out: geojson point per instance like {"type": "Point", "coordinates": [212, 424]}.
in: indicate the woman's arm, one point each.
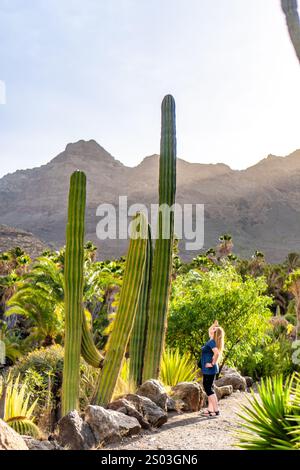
{"type": "Point", "coordinates": [214, 359]}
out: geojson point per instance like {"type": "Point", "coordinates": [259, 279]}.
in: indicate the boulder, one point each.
{"type": "Point", "coordinates": [34, 444]}
{"type": "Point", "coordinates": [74, 433]}
{"type": "Point", "coordinates": [152, 413]}
{"type": "Point", "coordinates": [109, 425]}
{"type": "Point", "coordinates": [232, 378]}
{"type": "Point", "coordinates": [189, 396]}
{"type": "Point", "coordinates": [10, 439]}
{"type": "Point", "coordinates": [124, 406]}
{"type": "Point", "coordinates": [171, 405]}
{"type": "Point", "coordinates": [249, 381]}
{"type": "Point", "coordinates": [155, 391]}
{"type": "Point", "coordinates": [224, 391]}
{"type": "Point", "coordinates": [228, 370]}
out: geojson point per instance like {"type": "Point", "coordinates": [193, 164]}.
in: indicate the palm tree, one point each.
{"type": "Point", "coordinates": [275, 277]}
{"type": "Point", "coordinates": [225, 246]}
{"type": "Point", "coordinates": [39, 297]}
{"type": "Point", "coordinates": [290, 9]}
{"type": "Point", "coordinates": [292, 262]}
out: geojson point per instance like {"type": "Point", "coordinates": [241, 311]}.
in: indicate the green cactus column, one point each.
{"type": "Point", "coordinates": [74, 258]}
{"type": "Point", "coordinates": [129, 299]}
{"type": "Point", "coordinates": [162, 263]}
{"type": "Point", "coordinates": [139, 331]}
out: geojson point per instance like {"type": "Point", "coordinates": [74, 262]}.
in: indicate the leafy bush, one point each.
{"type": "Point", "coordinates": [271, 422]}
{"type": "Point", "coordinates": [42, 370]}
{"type": "Point", "coordinates": [269, 359]}
{"type": "Point", "coordinates": [176, 367]}
{"type": "Point", "coordinates": [239, 305]}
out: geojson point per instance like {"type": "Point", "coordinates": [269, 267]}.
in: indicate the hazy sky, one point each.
{"type": "Point", "coordinates": [98, 69]}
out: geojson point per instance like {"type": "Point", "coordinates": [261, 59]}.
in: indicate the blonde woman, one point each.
{"type": "Point", "coordinates": [211, 355]}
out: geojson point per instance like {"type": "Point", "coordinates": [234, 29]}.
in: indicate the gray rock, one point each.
{"type": "Point", "coordinates": [189, 394]}
{"type": "Point", "coordinates": [109, 425]}
{"type": "Point", "coordinates": [34, 444]}
{"type": "Point", "coordinates": [171, 405]}
{"type": "Point", "coordinates": [233, 378]}
{"type": "Point", "coordinates": [74, 433]}
{"type": "Point", "coordinates": [224, 391]}
{"type": "Point", "coordinates": [124, 406]}
{"type": "Point", "coordinates": [249, 381]}
{"type": "Point", "coordinates": [10, 439]}
{"type": "Point", "coordinates": [155, 391]}
{"type": "Point", "coordinates": [152, 413]}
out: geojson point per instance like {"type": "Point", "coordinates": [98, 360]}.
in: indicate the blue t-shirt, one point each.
{"type": "Point", "coordinates": [206, 356]}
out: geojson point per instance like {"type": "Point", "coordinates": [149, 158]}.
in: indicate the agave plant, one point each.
{"type": "Point", "coordinates": [176, 368]}
{"type": "Point", "coordinates": [271, 421]}
{"type": "Point", "coordinates": [14, 406]}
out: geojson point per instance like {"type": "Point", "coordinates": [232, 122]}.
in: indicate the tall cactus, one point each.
{"type": "Point", "coordinates": [128, 304]}
{"type": "Point", "coordinates": [139, 331]}
{"type": "Point", "coordinates": [290, 9]}
{"type": "Point", "coordinates": [74, 258]}
{"type": "Point", "coordinates": [162, 264]}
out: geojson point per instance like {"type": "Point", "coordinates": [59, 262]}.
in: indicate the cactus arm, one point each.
{"type": "Point", "coordinates": [139, 331]}
{"type": "Point", "coordinates": [89, 351]}
{"type": "Point", "coordinates": [74, 258]}
{"type": "Point", "coordinates": [162, 263]}
{"type": "Point", "coordinates": [128, 304]}
{"type": "Point", "coordinates": [290, 9]}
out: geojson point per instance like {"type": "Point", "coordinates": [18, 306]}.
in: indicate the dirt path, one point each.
{"type": "Point", "coordinates": [191, 432]}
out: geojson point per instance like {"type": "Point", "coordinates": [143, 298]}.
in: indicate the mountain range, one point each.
{"type": "Point", "coordinates": [259, 206]}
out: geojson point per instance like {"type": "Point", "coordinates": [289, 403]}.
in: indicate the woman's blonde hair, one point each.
{"type": "Point", "coordinates": [219, 337]}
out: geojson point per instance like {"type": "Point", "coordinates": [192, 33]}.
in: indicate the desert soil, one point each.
{"type": "Point", "coordinates": [189, 431]}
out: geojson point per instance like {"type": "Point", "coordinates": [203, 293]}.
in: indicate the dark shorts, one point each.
{"type": "Point", "coordinates": [208, 380]}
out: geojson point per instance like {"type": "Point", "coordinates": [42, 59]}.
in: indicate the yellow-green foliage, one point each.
{"type": "Point", "coordinates": [17, 411]}
{"type": "Point", "coordinates": [125, 384]}
{"type": "Point", "coordinates": [271, 420]}
{"type": "Point", "coordinates": [176, 367]}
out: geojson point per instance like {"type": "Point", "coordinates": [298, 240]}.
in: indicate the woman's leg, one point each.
{"type": "Point", "coordinates": [214, 401]}
{"type": "Point", "coordinates": [207, 385]}
{"type": "Point", "coordinates": [211, 396]}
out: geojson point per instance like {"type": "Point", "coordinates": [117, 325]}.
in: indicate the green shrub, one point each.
{"type": "Point", "coordinates": [240, 306]}
{"type": "Point", "coordinates": [42, 371]}
{"type": "Point", "coordinates": [269, 359]}
{"type": "Point", "coordinates": [273, 356]}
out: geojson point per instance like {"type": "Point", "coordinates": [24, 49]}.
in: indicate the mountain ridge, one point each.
{"type": "Point", "coordinates": [258, 205]}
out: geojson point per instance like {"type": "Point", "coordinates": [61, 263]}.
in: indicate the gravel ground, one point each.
{"type": "Point", "coordinates": [191, 432]}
